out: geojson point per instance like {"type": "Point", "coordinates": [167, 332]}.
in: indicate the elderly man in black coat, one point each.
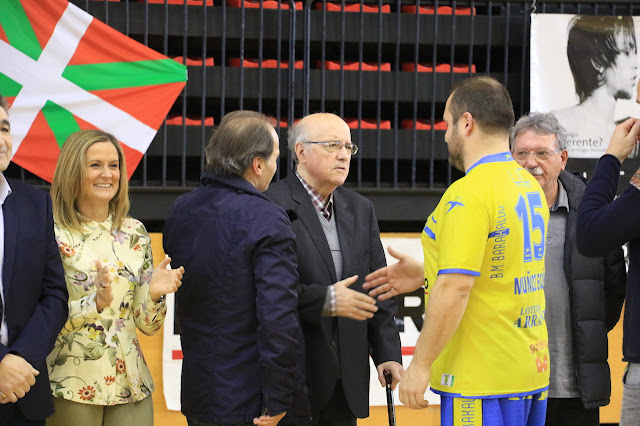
{"type": "Point", "coordinates": [338, 244]}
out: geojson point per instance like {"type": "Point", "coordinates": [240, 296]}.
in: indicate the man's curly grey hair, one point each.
{"type": "Point", "coordinates": [540, 124]}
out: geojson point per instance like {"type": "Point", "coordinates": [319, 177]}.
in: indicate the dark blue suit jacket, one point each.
{"type": "Point", "coordinates": [241, 337]}
{"type": "Point", "coordinates": [35, 291]}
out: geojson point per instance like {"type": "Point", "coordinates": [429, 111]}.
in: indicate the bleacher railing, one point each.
{"type": "Point", "coordinates": [384, 66]}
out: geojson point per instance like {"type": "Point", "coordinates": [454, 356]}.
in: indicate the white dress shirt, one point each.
{"type": "Point", "coordinates": [5, 190]}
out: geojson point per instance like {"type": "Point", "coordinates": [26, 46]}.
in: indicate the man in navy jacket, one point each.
{"type": "Point", "coordinates": [241, 337]}
{"type": "Point", "coordinates": [33, 306]}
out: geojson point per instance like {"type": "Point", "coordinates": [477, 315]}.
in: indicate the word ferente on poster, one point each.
{"type": "Point", "coordinates": [585, 70]}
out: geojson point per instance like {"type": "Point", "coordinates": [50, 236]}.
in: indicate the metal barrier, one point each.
{"type": "Point", "coordinates": [387, 67]}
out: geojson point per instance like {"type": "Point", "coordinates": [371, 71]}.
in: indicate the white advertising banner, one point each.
{"type": "Point", "coordinates": [584, 69]}
{"type": "Point", "coordinates": [411, 312]}
{"type": "Point", "coordinates": [171, 357]}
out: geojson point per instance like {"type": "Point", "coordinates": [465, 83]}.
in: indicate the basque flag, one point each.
{"type": "Point", "coordinates": [63, 71]}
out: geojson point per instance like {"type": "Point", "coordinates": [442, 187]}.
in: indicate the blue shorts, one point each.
{"type": "Point", "coordinates": [528, 410]}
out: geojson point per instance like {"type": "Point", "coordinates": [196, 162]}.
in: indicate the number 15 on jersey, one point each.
{"type": "Point", "coordinates": [528, 210]}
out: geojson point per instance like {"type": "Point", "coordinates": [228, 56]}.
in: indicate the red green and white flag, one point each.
{"type": "Point", "coordinates": [63, 70]}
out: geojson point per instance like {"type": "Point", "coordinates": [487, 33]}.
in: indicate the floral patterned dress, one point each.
{"type": "Point", "coordinates": [97, 357]}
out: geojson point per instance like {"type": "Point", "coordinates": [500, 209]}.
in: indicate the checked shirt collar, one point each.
{"type": "Point", "coordinates": [324, 207]}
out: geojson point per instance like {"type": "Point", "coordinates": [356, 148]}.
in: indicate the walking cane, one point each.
{"type": "Point", "coordinates": [390, 408]}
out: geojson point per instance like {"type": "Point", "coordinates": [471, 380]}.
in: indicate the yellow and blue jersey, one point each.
{"type": "Point", "coordinates": [492, 224]}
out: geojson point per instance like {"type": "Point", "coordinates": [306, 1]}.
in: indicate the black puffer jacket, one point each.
{"type": "Point", "coordinates": [596, 292]}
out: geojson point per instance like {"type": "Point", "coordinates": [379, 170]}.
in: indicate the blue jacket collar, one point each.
{"type": "Point", "coordinates": [237, 183]}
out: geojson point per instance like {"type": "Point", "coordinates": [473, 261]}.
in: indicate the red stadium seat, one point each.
{"type": "Point", "coordinates": [423, 124]}
{"type": "Point", "coordinates": [266, 4]}
{"type": "Point", "coordinates": [457, 68]}
{"type": "Point", "coordinates": [182, 2]}
{"type": "Point", "coordinates": [367, 123]}
{"type": "Point", "coordinates": [194, 61]}
{"type": "Point", "coordinates": [283, 122]}
{"type": "Point", "coordinates": [177, 120]}
{"type": "Point", "coordinates": [354, 66]}
{"type": "Point", "coordinates": [442, 10]}
{"type": "Point", "coordinates": [353, 7]}
{"type": "Point", "coordinates": [266, 63]}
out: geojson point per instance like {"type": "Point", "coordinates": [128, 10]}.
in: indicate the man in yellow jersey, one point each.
{"type": "Point", "coordinates": [483, 346]}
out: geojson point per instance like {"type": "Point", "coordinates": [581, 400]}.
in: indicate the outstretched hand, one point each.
{"type": "Point", "coordinates": [351, 303]}
{"type": "Point", "coordinates": [404, 276]}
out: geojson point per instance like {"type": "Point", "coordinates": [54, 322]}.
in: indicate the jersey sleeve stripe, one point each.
{"type": "Point", "coordinates": [459, 271]}
{"type": "Point", "coordinates": [429, 233]}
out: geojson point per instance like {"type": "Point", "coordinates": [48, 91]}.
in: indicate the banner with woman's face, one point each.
{"type": "Point", "coordinates": [585, 70]}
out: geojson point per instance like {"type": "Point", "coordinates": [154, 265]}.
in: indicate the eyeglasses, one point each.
{"type": "Point", "coordinates": [334, 146]}
{"type": "Point", "coordinates": [541, 155]}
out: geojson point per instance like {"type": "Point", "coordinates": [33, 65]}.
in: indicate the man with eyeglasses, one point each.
{"type": "Point", "coordinates": [583, 297]}
{"type": "Point", "coordinates": [338, 243]}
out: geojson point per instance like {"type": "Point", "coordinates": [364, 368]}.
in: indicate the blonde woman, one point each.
{"type": "Point", "coordinates": [97, 372]}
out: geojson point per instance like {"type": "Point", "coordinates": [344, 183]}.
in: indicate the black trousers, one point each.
{"type": "Point", "coordinates": [337, 411]}
{"type": "Point", "coordinates": [570, 412]}
{"type": "Point", "coordinates": [10, 415]}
